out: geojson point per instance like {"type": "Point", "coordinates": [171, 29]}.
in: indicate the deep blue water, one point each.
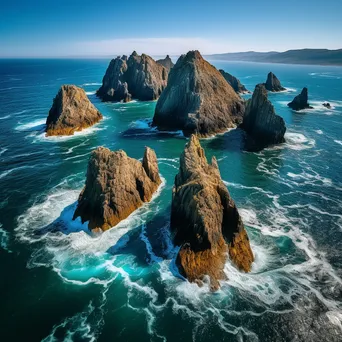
{"type": "Point", "coordinates": [60, 284]}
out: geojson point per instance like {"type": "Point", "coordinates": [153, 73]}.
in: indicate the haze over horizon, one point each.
{"type": "Point", "coordinates": [88, 29]}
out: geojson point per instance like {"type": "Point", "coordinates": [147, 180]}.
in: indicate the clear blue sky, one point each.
{"type": "Point", "coordinates": [93, 28]}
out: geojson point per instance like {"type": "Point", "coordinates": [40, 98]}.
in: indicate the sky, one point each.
{"type": "Point", "coordinates": [59, 28]}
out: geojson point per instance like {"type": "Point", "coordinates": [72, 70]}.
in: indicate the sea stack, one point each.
{"type": "Point", "coordinates": [206, 223]}
{"type": "Point", "coordinates": [260, 120]}
{"type": "Point", "coordinates": [138, 77]}
{"type": "Point", "coordinates": [116, 185]}
{"type": "Point", "coordinates": [166, 63]}
{"type": "Point", "coordinates": [197, 99]}
{"type": "Point", "coordinates": [273, 84]}
{"type": "Point", "coordinates": [71, 111]}
{"type": "Point", "coordinates": [300, 101]}
{"type": "Point", "coordinates": [234, 82]}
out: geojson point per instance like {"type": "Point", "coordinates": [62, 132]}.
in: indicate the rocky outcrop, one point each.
{"type": "Point", "coordinates": [139, 77]}
{"type": "Point", "coordinates": [260, 120]}
{"type": "Point", "coordinates": [205, 220]}
{"type": "Point", "coordinates": [327, 105]}
{"type": "Point", "coordinates": [116, 185]}
{"type": "Point", "coordinates": [234, 82]}
{"type": "Point", "coordinates": [71, 111]}
{"type": "Point", "coordinates": [197, 99]}
{"type": "Point", "coordinates": [300, 101]}
{"type": "Point", "coordinates": [273, 84]}
{"type": "Point", "coordinates": [166, 63]}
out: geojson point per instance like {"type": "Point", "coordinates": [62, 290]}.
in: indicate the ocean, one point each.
{"type": "Point", "coordinates": [58, 283]}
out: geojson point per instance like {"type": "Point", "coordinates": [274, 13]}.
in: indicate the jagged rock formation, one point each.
{"type": "Point", "coordinates": [205, 220]}
{"type": "Point", "coordinates": [166, 63]}
{"type": "Point", "coordinates": [71, 111]}
{"type": "Point", "coordinates": [260, 120]}
{"type": "Point", "coordinates": [234, 82]}
{"type": "Point", "coordinates": [197, 99]}
{"type": "Point", "coordinates": [273, 84]}
{"type": "Point", "coordinates": [139, 77]}
{"type": "Point", "coordinates": [300, 101]}
{"type": "Point", "coordinates": [327, 105]}
{"type": "Point", "coordinates": [116, 185]}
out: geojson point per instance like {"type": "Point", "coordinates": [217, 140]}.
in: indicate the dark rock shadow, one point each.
{"type": "Point", "coordinates": [149, 243]}
{"type": "Point", "coordinates": [231, 141]}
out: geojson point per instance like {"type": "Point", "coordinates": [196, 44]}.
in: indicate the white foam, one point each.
{"type": "Point", "coordinates": [92, 84]}
{"type": "Point", "coordinates": [338, 142]}
{"type": "Point", "coordinates": [4, 239]}
{"type": "Point", "coordinates": [3, 150]}
{"type": "Point", "coordinates": [319, 131]}
{"type": "Point", "coordinates": [5, 117]}
{"type": "Point", "coordinates": [90, 92]}
{"type": "Point", "coordinates": [33, 125]}
{"type": "Point", "coordinates": [7, 172]}
{"type": "Point", "coordinates": [298, 141]}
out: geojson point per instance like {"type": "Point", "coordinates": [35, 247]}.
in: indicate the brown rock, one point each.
{"type": "Point", "coordinates": [166, 62]}
{"type": "Point", "coordinates": [116, 185]}
{"type": "Point", "coordinates": [71, 111]}
{"type": "Point", "coordinates": [205, 220]}
{"type": "Point", "coordinates": [139, 77]}
{"type": "Point", "coordinates": [197, 99]}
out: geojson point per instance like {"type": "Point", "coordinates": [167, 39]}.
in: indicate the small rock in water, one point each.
{"type": "Point", "coordinates": [71, 111]}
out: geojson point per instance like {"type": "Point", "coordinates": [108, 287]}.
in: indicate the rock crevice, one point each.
{"type": "Point", "coordinates": [234, 82]}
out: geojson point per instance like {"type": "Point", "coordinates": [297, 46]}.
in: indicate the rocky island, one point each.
{"type": "Point", "coordinates": [205, 221]}
{"type": "Point", "coordinates": [260, 120]}
{"type": "Point", "coordinates": [116, 185]}
{"type": "Point", "coordinates": [234, 82]}
{"type": "Point", "coordinates": [138, 77]}
{"type": "Point", "coordinates": [300, 101]}
{"type": "Point", "coordinates": [273, 84]}
{"type": "Point", "coordinates": [166, 63]}
{"type": "Point", "coordinates": [197, 99]}
{"type": "Point", "coordinates": [71, 111]}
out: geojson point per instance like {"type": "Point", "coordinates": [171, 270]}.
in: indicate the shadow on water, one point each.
{"type": "Point", "coordinates": [150, 242]}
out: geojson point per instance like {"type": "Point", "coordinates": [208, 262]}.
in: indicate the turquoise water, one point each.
{"type": "Point", "coordinates": [60, 284]}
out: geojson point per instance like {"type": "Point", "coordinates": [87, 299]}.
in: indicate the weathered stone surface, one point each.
{"type": "Point", "coordinates": [114, 87]}
{"type": "Point", "coordinates": [205, 220]}
{"type": "Point", "coordinates": [116, 185]}
{"type": "Point", "coordinates": [260, 120]}
{"type": "Point", "coordinates": [327, 105]}
{"type": "Point", "coordinates": [300, 101]}
{"type": "Point", "coordinates": [139, 77]}
{"type": "Point", "coordinates": [166, 63]}
{"type": "Point", "coordinates": [234, 82]}
{"type": "Point", "coordinates": [71, 111]}
{"type": "Point", "coordinates": [273, 84]}
{"type": "Point", "coordinates": [197, 99]}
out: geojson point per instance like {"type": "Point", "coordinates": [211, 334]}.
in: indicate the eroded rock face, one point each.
{"type": "Point", "coordinates": [166, 63]}
{"type": "Point", "coordinates": [234, 82]}
{"type": "Point", "coordinates": [116, 185]}
{"type": "Point", "coordinates": [205, 220]}
{"type": "Point", "coordinates": [197, 99]}
{"type": "Point", "coordinates": [300, 101]}
{"type": "Point", "coordinates": [139, 77]}
{"type": "Point", "coordinates": [71, 111]}
{"type": "Point", "coordinates": [260, 120]}
{"type": "Point", "coordinates": [273, 84]}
